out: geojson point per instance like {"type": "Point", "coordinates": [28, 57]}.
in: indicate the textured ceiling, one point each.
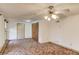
{"type": "Point", "coordinates": [33, 10]}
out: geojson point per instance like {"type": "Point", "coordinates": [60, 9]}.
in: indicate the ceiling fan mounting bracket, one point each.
{"type": "Point", "coordinates": [51, 7]}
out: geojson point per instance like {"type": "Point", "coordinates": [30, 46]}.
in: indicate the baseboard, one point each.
{"type": "Point", "coordinates": [4, 47]}
{"type": "Point", "coordinates": [65, 47]}
{"type": "Point", "coordinates": [27, 38]}
{"type": "Point", "coordinates": [43, 41]}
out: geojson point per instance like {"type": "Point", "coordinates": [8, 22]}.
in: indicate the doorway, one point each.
{"type": "Point", "coordinates": [20, 30]}
{"type": "Point", "coordinates": [35, 29]}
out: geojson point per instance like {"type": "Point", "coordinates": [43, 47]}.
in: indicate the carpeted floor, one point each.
{"type": "Point", "coordinates": [31, 47]}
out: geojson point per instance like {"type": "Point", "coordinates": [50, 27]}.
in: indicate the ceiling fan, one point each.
{"type": "Point", "coordinates": [56, 14]}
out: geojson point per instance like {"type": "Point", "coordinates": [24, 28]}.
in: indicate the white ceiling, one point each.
{"type": "Point", "coordinates": [33, 10]}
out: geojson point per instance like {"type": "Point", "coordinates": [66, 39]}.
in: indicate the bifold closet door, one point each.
{"type": "Point", "coordinates": [20, 31]}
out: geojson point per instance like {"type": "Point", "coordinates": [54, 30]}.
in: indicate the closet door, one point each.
{"type": "Point", "coordinates": [20, 31]}
{"type": "Point", "coordinates": [35, 27]}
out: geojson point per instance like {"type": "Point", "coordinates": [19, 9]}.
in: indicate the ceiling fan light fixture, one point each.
{"type": "Point", "coordinates": [55, 16]}
{"type": "Point", "coordinates": [46, 17]}
{"type": "Point", "coordinates": [49, 19]}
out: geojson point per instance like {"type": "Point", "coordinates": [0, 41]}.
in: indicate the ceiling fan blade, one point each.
{"type": "Point", "coordinates": [63, 11]}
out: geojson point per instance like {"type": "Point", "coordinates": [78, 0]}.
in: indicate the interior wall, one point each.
{"type": "Point", "coordinates": [12, 29]}
{"type": "Point", "coordinates": [12, 32]}
{"type": "Point", "coordinates": [2, 32]}
{"type": "Point", "coordinates": [66, 32]}
{"type": "Point", "coordinates": [43, 31]}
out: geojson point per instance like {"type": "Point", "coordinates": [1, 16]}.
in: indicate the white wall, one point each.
{"type": "Point", "coordinates": [28, 30]}
{"type": "Point", "coordinates": [66, 33]}
{"type": "Point", "coordinates": [2, 32]}
{"type": "Point", "coordinates": [12, 29]}
{"type": "Point", "coordinates": [43, 31]}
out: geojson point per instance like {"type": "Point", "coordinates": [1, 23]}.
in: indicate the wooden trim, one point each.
{"type": "Point", "coordinates": [4, 47]}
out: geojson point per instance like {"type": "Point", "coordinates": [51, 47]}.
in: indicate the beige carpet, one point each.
{"type": "Point", "coordinates": [31, 47]}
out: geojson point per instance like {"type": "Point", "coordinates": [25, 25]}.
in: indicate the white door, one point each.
{"type": "Point", "coordinates": [20, 31]}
